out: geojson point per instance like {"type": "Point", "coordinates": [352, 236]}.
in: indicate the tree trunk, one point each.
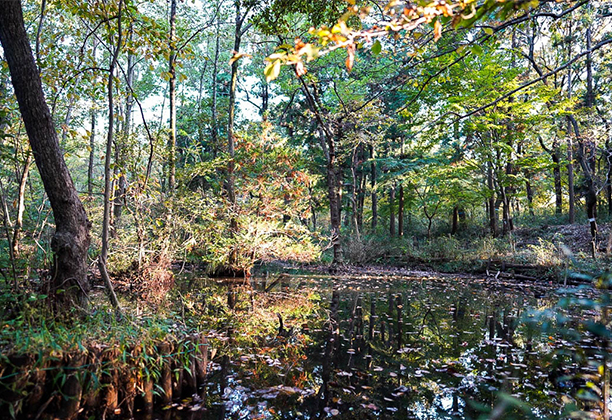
{"type": "Point", "coordinates": [102, 261]}
{"type": "Point", "coordinates": [392, 212]}
{"type": "Point", "coordinates": [491, 202]}
{"type": "Point", "coordinates": [334, 200]}
{"type": "Point", "coordinates": [557, 180]}
{"type": "Point", "coordinates": [21, 205]}
{"type": "Point", "coordinates": [373, 186]}
{"type": "Point", "coordinates": [71, 239]}
{"type": "Point", "coordinates": [172, 94]}
{"type": "Point", "coordinates": [529, 191]}
{"type": "Point", "coordinates": [455, 222]}
{"type": "Point", "coordinates": [570, 146]}
{"type": "Point", "coordinates": [120, 163]}
{"type": "Point", "coordinates": [92, 149]}
{"type": "Point", "coordinates": [400, 213]}
{"type": "Point", "coordinates": [214, 128]}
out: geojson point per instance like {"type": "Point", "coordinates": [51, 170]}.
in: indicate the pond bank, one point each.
{"type": "Point", "coordinates": [102, 380]}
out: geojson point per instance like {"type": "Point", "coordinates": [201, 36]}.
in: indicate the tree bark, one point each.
{"type": "Point", "coordinates": [172, 94]}
{"type": "Point", "coordinates": [21, 205]}
{"type": "Point", "coordinates": [102, 261]}
{"type": "Point", "coordinates": [491, 202]}
{"type": "Point", "coordinates": [120, 147]}
{"type": "Point", "coordinates": [400, 213]}
{"type": "Point", "coordinates": [92, 148]}
{"type": "Point", "coordinates": [570, 146]}
{"type": "Point", "coordinates": [455, 221]}
{"type": "Point", "coordinates": [392, 211]}
{"type": "Point", "coordinates": [373, 186]}
{"type": "Point", "coordinates": [214, 128]}
{"type": "Point", "coordinates": [71, 239]}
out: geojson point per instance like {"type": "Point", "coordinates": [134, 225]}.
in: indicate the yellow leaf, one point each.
{"type": "Point", "coordinates": [237, 56]}
{"type": "Point", "coordinates": [272, 70]}
{"type": "Point", "coordinates": [437, 30]}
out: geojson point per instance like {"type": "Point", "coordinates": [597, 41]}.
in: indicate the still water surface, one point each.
{"type": "Point", "coordinates": [416, 348]}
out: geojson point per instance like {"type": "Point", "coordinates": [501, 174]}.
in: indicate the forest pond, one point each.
{"type": "Point", "coordinates": [423, 348]}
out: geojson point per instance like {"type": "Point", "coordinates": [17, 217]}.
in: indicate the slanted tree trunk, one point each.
{"type": "Point", "coordinates": [71, 239]}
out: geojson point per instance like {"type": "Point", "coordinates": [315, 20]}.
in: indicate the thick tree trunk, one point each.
{"type": "Point", "coordinates": [333, 179]}
{"type": "Point", "coordinates": [71, 239]}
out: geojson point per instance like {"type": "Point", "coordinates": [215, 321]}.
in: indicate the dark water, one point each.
{"type": "Point", "coordinates": [424, 348]}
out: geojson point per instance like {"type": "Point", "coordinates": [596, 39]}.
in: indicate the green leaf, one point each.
{"type": "Point", "coordinates": [489, 31]}
{"type": "Point", "coordinates": [376, 48]}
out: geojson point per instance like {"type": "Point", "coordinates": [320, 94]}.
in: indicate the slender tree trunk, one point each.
{"type": "Point", "coordinates": [373, 186]}
{"type": "Point", "coordinates": [361, 201]}
{"type": "Point", "coordinates": [400, 213]}
{"type": "Point", "coordinates": [355, 193]}
{"type": "Point", "coordinates": [570, 146]}
{"type": "Point", "coordinates": [590, 95]}
{"type": "Point", "coordinates": [21, 205]}
{"type": "Point", "coordinates": [591, 194]}
{"type": "Point", "coordinates": [230, 181]}
{"type": "Point", "coordinates": [557, 180]}
{"type": "Point", "coordinates": [71, 239]}
{"type": "Point", "coordinates": [392, 211]}
{"type": "Point", "coordinates": [119, 199]}
{"type": "Point", "coordinates": [92, 151]}
{"type": "Point", "coordinates": [172, 98]}
{"type": "Point", "coordinates": [530, 194]}
{"type": "Point", "coordinates": [455, 221]}
{"type": "Point", "coordinates": [333, 174]}
{"type": "Point", "coordinates": [214, 127]}
{"type": "Point", "coordinates": [103, 260]}
{"type": "Point", "coordinates": [491, 203]}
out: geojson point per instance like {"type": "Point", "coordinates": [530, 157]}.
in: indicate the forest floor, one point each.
{"type": "Point", "coordinates": [548, 253]}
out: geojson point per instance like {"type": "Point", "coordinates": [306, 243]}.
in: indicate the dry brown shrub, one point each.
{"type": "Point", "coordinates": [150, 282]}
